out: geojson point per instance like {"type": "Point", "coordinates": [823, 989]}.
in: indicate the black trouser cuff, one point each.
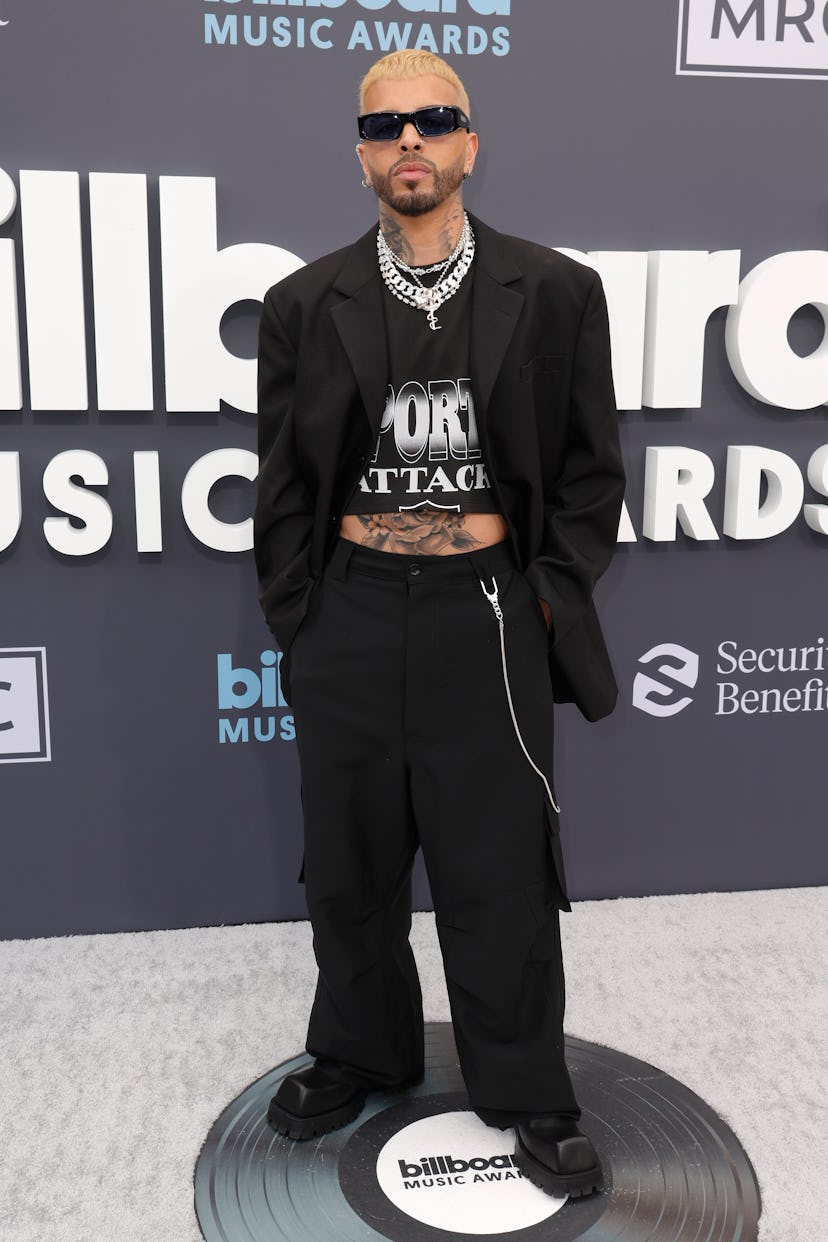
{"type": "Point", "coordinates": [503, 1118]}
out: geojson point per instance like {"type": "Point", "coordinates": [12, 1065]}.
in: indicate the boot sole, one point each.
{"type": "Point", "coordinates": [292, 1126]}
{"type": "Point", "coordinates": [576, 1185]}
{"type": "Point", "coordinates": [295, 1127]}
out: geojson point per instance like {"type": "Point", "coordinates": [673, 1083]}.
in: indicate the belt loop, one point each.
{"type": "Point", "coordinates": [486, 562]}
{"type": "Point", "coordinates": [480, 565]}
{"type": "Point", "coordinates": [338, 564]}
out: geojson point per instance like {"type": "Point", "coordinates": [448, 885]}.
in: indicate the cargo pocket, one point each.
{"type": "Point", "coordinates": [544, 906]}
{"type": "Point", "coordinates": [556, 860]}
{"type": "Point", "coordinates": [546, 953]}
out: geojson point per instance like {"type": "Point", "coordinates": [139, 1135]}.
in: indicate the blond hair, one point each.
{"type": "Point", "coordinates": [409, 63]}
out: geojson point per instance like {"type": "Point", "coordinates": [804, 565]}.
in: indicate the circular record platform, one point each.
{"type": "Point", "coordinates": [419, 1166]}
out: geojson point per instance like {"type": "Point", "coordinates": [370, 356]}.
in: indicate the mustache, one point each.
{"type": "Point", "coordinates": [414, 159]}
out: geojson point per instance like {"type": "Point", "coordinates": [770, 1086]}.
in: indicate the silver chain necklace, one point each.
{"type": "Point", "coordinates": [421, 297]}
{"type": "Point", "coordinates": [435, 267]}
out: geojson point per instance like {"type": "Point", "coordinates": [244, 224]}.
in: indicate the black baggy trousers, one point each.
{"type": "Point", "coordinates": [405, 738]}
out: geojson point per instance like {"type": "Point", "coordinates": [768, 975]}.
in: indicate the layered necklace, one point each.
{"type": "Point", "coordinates": [421, 297]}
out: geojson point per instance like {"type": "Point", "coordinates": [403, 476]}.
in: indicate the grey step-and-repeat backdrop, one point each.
{"type": "Point", "coordinates": [162, 165]}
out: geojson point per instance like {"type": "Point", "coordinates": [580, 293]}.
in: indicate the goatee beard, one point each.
{"type": "Point", "coordinates": [417, 202]}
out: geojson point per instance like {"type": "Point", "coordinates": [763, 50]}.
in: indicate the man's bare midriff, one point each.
{"type": "Point", "coordinates": [425, 533]}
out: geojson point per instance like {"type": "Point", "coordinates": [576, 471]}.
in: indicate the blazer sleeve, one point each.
{"type": "Point", "coordinates": [283, 519]}
{"type": "Point", "coordinates": [582, 511]}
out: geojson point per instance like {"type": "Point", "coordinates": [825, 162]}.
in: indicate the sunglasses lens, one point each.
{"type": "Point", "coordinates": [435, 122]}
{"type": "Point", "coordinates": [381, 127]}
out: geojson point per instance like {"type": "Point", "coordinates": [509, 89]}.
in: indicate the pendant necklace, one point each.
{"type": "Point", "coordinates": [422, 297]}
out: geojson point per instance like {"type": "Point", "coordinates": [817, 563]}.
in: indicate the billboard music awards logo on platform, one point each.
{"type": "Point", "coordinates": [757, 681]}
{"type": "Point", "coordinates": [24, 706]}
{"type": "Point", "coordinates": [454, 1173]}
{"type": "Point", "coordinates": [250, 701]}
{"type": "Point", "coordinates": [762, 38]}
{"type": "Point", "coordinates": [355, 25]}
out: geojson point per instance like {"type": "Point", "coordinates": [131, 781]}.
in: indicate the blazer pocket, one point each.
{"type": "Point", "coordinates": [542, 365]}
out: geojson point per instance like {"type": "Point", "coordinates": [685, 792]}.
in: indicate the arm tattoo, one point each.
{"type": "Point", "coordinates": [422, 533]}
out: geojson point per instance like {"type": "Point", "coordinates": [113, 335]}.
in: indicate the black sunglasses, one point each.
{"type": "Point", "coordinates": [434, 122]}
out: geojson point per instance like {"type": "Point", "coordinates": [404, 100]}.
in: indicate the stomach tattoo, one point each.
{"type": "Point", "coordinates": [425, 532]}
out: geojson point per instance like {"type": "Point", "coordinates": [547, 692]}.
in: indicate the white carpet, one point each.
{"type": "Point", "coordinates": [119, 1051]}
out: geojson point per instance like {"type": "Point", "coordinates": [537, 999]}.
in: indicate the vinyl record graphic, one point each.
{"type": "Point", "coordinates": [418, 1165]}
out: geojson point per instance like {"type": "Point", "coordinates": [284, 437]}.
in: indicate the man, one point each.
{"type": "Point", "coordinates": [440, 488]}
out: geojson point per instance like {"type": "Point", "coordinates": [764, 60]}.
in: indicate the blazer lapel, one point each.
{"type": "Point", "coordinates": [360, 323]}
{"type": "Point", "coordinates": [495, 312]}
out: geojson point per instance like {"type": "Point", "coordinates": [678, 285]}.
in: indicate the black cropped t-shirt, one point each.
{"type": "Point", "coordinates": [428, 450]}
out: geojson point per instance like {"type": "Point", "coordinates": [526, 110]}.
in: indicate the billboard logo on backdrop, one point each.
{"type": "Point", "coordinates": [678, 670]}
{"type": "Point", "coordinates": [250, 699]}
{"type": "Point", "coordinates": [350, 28]}
{"type": "Point", "coordinates": [658, 359]}
{"type": "Point", "coordinates": [24, 706]}
{"type": "Point", "coordinates": [760, 38]}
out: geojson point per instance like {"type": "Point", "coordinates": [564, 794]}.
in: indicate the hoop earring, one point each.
{"type": "Point", "coordinates": [467, 175]}
{"type": "Point", "coordinates": [366, 183]}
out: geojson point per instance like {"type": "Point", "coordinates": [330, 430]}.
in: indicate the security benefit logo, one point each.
{"type": "Point", "coordinates": [749, 680]}
{"type": "Point", "coordinates": [250, 701]}
{"type": "Point", "coordinates": [456, 1174]}
{"type": "Point", "coordinates": [450, 28]}
{"type": "Point", "coordinates": [24, 706]}
{"type": "Point", "coordinates": [763, 38]}
{"type": "Point", "coordinates": [665, 694]}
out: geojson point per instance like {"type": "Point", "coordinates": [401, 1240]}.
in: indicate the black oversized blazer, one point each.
{"type": "Point", "coordinates": [543, 393]}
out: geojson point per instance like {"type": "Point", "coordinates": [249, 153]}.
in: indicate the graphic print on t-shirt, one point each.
{"type": "Point", "coordinates": [427, 452]}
